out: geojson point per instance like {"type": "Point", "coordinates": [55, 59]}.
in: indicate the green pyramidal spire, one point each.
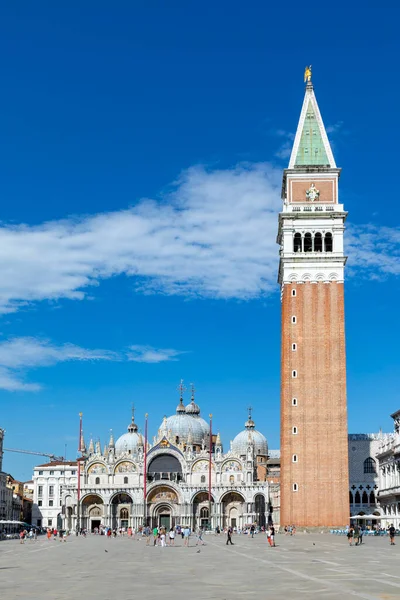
{"type": "Point", "coordinates": [311, 146]}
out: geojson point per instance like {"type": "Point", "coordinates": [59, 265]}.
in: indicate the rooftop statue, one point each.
{"type": "Point", "coordinates": [307, 73]}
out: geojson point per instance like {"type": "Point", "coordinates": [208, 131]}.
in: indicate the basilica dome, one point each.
{"type": "Point", "coordinates": [252, 436]}
{"type": "Point", "coordinates": [179, 426]}
{"type": "Point", "coordinates": [193, 410]}
{"type": "Point", "coordinates": [129, 442]}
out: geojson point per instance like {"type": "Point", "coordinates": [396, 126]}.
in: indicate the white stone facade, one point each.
{"type": "Point", "coordinates": [363, 473]}
{"type": "Point", "coordinates": [49, 483]}
{"type": "Point", "coordinates": [389, 475]}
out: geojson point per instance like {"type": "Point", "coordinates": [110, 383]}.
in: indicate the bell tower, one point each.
{"type": "Point", "coordinates": [314, 448]}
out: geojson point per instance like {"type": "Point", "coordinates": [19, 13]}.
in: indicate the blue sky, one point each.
{"type": "Point", "coordinates": [141, 152]}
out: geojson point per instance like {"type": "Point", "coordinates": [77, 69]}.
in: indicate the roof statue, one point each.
{"type": "Point", "coordinates": [307, 74]}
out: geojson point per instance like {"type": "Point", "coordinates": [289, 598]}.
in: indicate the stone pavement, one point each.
{"type": "Point", "coordinates": [303, 566]}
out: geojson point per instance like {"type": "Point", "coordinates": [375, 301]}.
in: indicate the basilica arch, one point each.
{"type": "Point", "coordinates": [121, 510]}
{"type": "Point", "coordinates": [92, 511]}
{"type": "Point", "coordinates": [165, 467]}
{"type": "Point", "coordinates": [233, 509]}
{"type": "Point", "coordinates": [163, 506]}
{"type": "Point", "coordinates": [201, 509]}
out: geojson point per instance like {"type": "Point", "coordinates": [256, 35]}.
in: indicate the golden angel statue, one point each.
{"type": "Point", "coordinates": [307, 74]}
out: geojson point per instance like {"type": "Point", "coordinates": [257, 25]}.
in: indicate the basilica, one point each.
{"type": "Point", "coordinates": [188, 478]}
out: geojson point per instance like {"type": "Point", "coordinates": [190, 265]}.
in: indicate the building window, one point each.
{"type": "Point", "coordinates": [50, 522]}
{"type": "Point", "coordinates": [125, 480]}
{"type": "Point", "coordinates": [294, 374]}
{"type": "Point", "coordinates": [40, 490]}
{"type": "Point", "coordinates": [328, 242]}
{"type": "Point", "coordinates": [372, 498]}
{"type": "Point", "coordinates": [295, 487]}
{"type": "Point", "coordinates": [40, 503]}
{"type": "Point", "coordinates": [60, 502]}
{"type": "Point", "coordinates": [51, 472]}
{"type": "Point", "coordinates": [293, 292]}
{"type": "Point", "coordinates": [294, 430]}
{"type": "Point", "coordinates": [318, 242]}
{"type": "Point", "coordinates": [73, 472]}
{"type": "Point", "coordinates": [365, 498]}
{"type": "Point", "coordinates": [297, 242]}
{"type": "Point", "coordinates": [357, 498]}
{"type": "Point", "coordinates": [294, 347]}
{"type": "Point", "coordinates": [50, 502]}
{"type": "Point", "coordinates": [294, 401]}
{"type": "Point", "coordinates": [97, 480]}
{"type": "Point", "coordinates": [294, 320]}
{"type": "Point", "coordinates": [369, 465]}
{"type": "Point", "coordinates": [294, 458]}
{"type": "Point", "coordinates": [308, 243]}
{"type": "Point", "coordinates": [203, 479]}
{"type": "Point", "coordinates": [40, 472]}
{"type": "Point", "coordinates": [51, 490]}
{"type": "Point", "coordinates": [351, 497]}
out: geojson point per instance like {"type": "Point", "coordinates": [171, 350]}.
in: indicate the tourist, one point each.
{"type": "Point", "coordinates": [186, 535]}
{"type": "Point", "coordinates": [155, 535]}
{"type": "Point", "coordinates": [350, 535]}
{"type": "Point", "coordinates": [361, 533]}
{"type": "Point", "coordinates": [31, 534]}
{"type": "Point", "coordinates": [22, 536]}
{"type": "Point", "coordinates": [171, 536]}
{"type": "Point", "coordinates": [48, 533]}
{"type": "Point", "coordinates": [272, 536]}
{"type": "Point", "coordinates": [162, 538]}
{"type": "Point", "coordinates": [356, 534]}
{"type": "Point", "coordinates": [252, 530]}
{"type": "Point", "coordinates": [146, 533]}
{"type": "Point", "coordinates": [392, 533]}
{"type": "Point", "coordinates": [199, 541]}
{"type": "Point", "coordinates": [229, 536]}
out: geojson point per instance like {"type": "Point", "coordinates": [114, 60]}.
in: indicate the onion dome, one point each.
{"type": "Point", "coordinates": [250, 435]}
{"type": "Point", "coordinates": [192, 408]}
{"type": "Point", "coordinates": [128, 442]}
{"type": "Point", "coordinates": [181, 425]}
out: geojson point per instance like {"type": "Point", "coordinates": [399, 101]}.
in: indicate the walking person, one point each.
{"type": "Point", "coordinates": [272, 536]}
{"type": "Point", "coordinates": [350, 535]}
{"type": "Point", "coordinates": [229, 536]}
{"type": "Point", "coordinates": [186, 535]}
{"type": "Point", "coordinates": [356, 534]}
{"type": "Point", "coordinates": [361, 534]}
{"type": "Point", "coordinates": [252, 530]}
{"type": "Point", "coordinates": [392, 533]}
{"type": "Point", "coordinates": [199, 541]}
{"type": "Point", "coordinates": [171, 536]}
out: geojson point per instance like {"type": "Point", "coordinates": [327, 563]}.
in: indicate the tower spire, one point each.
{"type": "Point", "coordinates": [311, 146]}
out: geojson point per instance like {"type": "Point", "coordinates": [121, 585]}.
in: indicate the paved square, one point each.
{"type": "Point", "coordinates": [304, 566]}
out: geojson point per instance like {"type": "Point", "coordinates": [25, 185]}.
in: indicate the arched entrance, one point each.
{"type": "Point", "coordinates": [201, 510]}
{"type": "Point", "coordinates": [92, 512]}
{"type": "Point", "coordinates": [163, 507]}
{"type": "Point", "coordinates": [233, 505]}
{"type": "Point", "coordinates": [121, 509]}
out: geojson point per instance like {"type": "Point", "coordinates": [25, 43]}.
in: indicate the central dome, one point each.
{"type": "Point", "coordinates": [180, 426]}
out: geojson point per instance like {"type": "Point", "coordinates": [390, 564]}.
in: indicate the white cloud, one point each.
{"type": "Point", "coordinates": [147, 354]}
{"type": "Point", "coordinates": [285, 149]}
{"type": "Point", "coordinates": [212, 235]}
{"type": "Point", "coordinates": [374, 251]}
{"type": "Point", "coordinates": [18, 355]}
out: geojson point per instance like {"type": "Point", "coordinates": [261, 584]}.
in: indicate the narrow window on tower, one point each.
{"type": "Point", "coordinates": [294, 401]}
{"type": "Point", "coordinates": [297, 242]}
{"type": "Point", "coordinates": [294, 430]}
{"type": "Point", "coordinates": [294, 320]}
{"type": "Point", "coordinates": [295, 487]}
{"type": "Point", "coordinates": [328, 242]}
{"type": "Point", "coordinates": [294, 374]}
{"type": "Point", "coordinates": [294, 458]}
{"type": "Point", "coordinates": [308, 243]}
{"type": "Point", "coordinates": [293, 292]}
{"type": "Point", "coordinates": [318, 242]}
{"type": "Point", "coordinates": [294, 347]}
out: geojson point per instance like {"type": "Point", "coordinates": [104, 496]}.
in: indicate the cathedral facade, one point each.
{"type": "Point", "coordinates": [181, 478]}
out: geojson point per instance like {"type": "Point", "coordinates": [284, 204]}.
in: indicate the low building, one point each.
{"type": "Point", "coordinates": [363, 473]}
{"type": "Point", "coordinates": [389, 475]}
{"type": "Point", "coordinates": [49, 483]}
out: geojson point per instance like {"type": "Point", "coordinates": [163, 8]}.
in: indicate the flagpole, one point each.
{"type": "Point", "coordinates": [145, 472]}
{"type": "Point", "coordinates": [78, 508]}
{"type": "Point", "coordinates": [209, 473]}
